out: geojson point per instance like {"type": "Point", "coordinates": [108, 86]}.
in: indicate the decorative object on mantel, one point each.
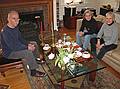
{"type": "Point", "coordinates": [53, 35]}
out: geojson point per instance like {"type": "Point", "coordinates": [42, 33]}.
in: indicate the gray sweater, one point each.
{"type": "Point", "coordinates": [109, 33]}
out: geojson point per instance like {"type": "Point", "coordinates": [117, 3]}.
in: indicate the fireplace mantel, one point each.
{"type": "Point", "coordinates": [26, 6]}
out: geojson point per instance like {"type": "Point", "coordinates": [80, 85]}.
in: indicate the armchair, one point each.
{"type": "Point", "coordinates": [7, 64]}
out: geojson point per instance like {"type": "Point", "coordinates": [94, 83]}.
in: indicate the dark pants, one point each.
{"type": "Point", "coordinates": [103, 50]}
{"type": "Point", "coordinates": [28, 56]}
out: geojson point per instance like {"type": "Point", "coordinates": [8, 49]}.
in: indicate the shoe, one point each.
{"type": "Point", "coordinates": [36, 73]}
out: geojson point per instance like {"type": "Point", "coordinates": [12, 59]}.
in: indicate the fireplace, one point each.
{"type": "Point", "coordinates": [28, 11]}
{"type": "Point", "coordinates": [30, 25]}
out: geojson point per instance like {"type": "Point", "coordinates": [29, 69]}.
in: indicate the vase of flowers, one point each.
{"type": "Point", "coordinates": [63, 58]}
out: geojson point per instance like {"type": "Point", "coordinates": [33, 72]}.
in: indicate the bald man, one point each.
{"type": "Point", "coordinates": [14, 46]}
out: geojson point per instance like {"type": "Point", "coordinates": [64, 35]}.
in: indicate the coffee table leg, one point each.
{"type": "Point", "coordinates": [92, 76]}
{"type": "Point", "coordinates": [62, 85]}
{"type": "Point", "coordinates": [62, 77]}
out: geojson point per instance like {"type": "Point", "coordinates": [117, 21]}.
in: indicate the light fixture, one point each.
{"type": "Point", "coordinates": [69, 2]}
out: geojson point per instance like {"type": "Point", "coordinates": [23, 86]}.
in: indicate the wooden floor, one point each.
{"type": "Point", "coordinates": [17, 80]}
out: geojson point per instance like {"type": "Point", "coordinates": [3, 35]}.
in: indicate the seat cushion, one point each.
{"type": "Point", "coordinates": [7, 61]}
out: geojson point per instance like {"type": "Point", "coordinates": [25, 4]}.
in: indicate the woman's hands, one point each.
{"type": "Point", "coordinates": [98, 45]}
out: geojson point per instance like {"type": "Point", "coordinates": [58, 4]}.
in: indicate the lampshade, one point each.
{"type": "Point", "coordinates": [72, 1]}
{"type": "Point", "coordinates": [68, 1]}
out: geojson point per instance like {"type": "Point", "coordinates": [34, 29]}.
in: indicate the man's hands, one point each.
{"type": "Point", "coordinates": [31, 47]}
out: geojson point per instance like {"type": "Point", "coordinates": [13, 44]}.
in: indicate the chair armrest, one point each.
{"type": "Point", "coordinates": [78, 25]}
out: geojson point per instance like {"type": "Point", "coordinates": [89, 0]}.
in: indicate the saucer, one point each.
{"type": "Point", "coordinates": [46, 48]}
{"type": "Point", "coordinates": [77, 54]}
{"type": "Point", "coordinates": [51, 56]}
{"type": "Point", "coordinates": [86, 54]}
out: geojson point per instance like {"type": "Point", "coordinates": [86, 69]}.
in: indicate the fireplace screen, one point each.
{"type": "Point", "coordinates": [30, 26]}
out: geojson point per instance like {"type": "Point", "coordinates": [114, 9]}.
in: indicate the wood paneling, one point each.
{"type": "Point", "coordinates": [18, 1]}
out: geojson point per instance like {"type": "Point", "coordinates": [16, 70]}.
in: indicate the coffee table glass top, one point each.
{"type": "Point", "coordinates": [73, 68]}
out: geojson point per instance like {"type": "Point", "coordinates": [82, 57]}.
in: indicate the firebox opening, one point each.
{"type": "Point", "coordinates": [30, 26]}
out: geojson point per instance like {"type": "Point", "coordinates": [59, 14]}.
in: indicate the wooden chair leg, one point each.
{"type": "Point", "coordinates": [3, 74]}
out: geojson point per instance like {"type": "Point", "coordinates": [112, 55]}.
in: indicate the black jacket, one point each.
{"type": "Point", "coordinates": [89, 26]}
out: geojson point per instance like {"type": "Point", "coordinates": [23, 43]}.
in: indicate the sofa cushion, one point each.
{"type": "Point", "coordinates": [118, 31]}
{"type": "Point", "coordinates": [100, 18]}
{"type": "Point", "coordinates": [79, 23]}
{"type": "Point", "coordinates": [113, 58]}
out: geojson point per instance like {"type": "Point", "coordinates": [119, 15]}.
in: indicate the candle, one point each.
{"type": "Point", "coordinates": [41, 27]}
{"type": "Point", "coordinates": [52, 35]}
{"type": "Point", "coordinates": [52, 28]}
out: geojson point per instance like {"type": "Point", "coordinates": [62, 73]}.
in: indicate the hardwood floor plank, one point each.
{"type": "Point", "coordinates": [15, 79]}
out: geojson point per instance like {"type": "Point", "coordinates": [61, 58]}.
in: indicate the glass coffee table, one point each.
{"type": "Point", "coordinates": [87, 67]}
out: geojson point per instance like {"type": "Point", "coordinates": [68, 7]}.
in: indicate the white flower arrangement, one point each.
{"type": "Point", "coordinates": [63, 58]}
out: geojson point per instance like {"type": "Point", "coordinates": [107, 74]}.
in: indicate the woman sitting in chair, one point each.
{"type": "Point", "coordinates": [107, 37]}
{"type": "Point", "coordinates": [87, 30]}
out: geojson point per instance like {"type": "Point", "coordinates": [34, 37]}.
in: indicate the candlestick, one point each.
{"type": "Point", "coordinates": [41, 31]}
{"type": "Point", "coordinates": [53, 39]}
{"type": "Point", "coordinates": [40, 26]}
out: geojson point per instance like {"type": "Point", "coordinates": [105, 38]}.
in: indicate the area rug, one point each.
{"type": "Point", "coordinates": [104, 80]}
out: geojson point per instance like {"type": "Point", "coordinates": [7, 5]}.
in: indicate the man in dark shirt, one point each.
{"type": "Point", "coordinates": [14, 46]}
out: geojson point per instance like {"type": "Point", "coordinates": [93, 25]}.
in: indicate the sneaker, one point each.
{"type": "Point", "coordinates": [38, 73]}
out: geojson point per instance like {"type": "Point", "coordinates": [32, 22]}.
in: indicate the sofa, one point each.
{"type": "Point", "coordinates": [112, 58]}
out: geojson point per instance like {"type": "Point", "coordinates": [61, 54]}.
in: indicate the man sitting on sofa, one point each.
{"type": "Point", "coordinates": [107, 37]}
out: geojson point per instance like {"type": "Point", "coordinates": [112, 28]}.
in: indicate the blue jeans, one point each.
{"type": "Point", "coordinates": [84, 40]}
